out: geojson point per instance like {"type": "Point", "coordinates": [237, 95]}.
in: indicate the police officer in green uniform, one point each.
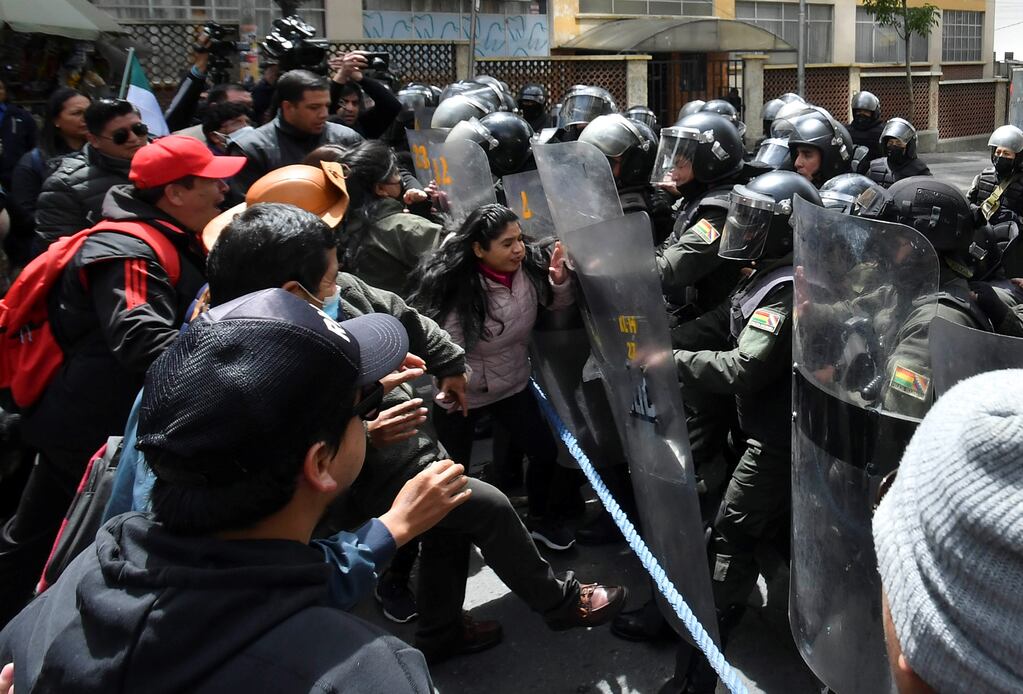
{"type": "Point", "coordinates": [997, 191]}
{"type": "Point", "coordinates": [756, 370]}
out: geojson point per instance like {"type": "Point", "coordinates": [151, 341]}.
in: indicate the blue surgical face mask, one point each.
{"type": "Point", "coordinates": [332, 305]}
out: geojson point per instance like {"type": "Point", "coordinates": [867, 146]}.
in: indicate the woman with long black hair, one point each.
{"type": "Point", "coordinates": [485, 286]}
{"type": "Point", "coordinates": [63, 132]}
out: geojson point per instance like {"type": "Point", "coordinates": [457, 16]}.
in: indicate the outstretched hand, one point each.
{"type": "Point", "coordinates": [558, 271]}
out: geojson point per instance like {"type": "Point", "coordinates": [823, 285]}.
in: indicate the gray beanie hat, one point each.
{"type": "Point", "coordinates": [949, 539]}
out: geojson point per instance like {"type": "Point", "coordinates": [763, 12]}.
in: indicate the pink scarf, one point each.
{"type": "Point", "coordinates": [504, 278]}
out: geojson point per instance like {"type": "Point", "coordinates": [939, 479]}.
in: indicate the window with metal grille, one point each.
{"type": "Point", "coordinates": [261, 12]}
{"type": "Point", "coordinates": [782, 20]}
{"type": "Point", "coordinates": [683, 8]}
{"type": "Point", "coordinates": [877, 44]}
{"type": "Point", "coordinates": [962, 35]}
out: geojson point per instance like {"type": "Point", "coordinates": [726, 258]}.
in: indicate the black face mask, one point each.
{"type": "Point", "coordinates": [896, 156]}
{"type": "Point", "coordinates": [532, 112]}
{"type": "Point", "coordinates": [1003, 165]}
{"type": "Point", "coordinates": [863, 122]}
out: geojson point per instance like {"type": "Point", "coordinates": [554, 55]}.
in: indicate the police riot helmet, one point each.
{"type": "Point", "coordinates": [459, 87]}
{"type": "Point", "coordinates": [503, 136]}
{"type": "Point", "coordinates": [792, 97]}
{"type": "Point", "coordinates": [773, 154]}
{"type": "Point", "coordinates": [430, 94]}
{"type": "Point", "coordinates": [770, 112]}
{"type": "Point", "coordinates": [642, 114]}
{"type": "Point", "coordinates": [936, 209]}
{"type": "Point", "coordinates": [726, 109]}
{"type": "Point", "coordinates": [841, 192]}
{"type": "Point", "coordinates": [1010, 137]}
{"type": "Point", "coordinates": [619, 138]}
{"type": "Point", "coordinates": [865, 101]}
{"type": "Point", "coordinates": [708, 141]}
{"type": "Point", "coordinates": [818, 129]}
{"type": "Point", "coordinates": [411, 99]}
{"type": "Point", "coordinates": [585, 103]}
{"type": "Point", "coordinates": [757, 225]}
{"type": "Point", "coordinates": [533, 92]}
{"type": "Point", "coordinates": [457, 108]}
{"type": "Point", "coordinates": [501, 89]}
{"type": "Point", "coordinates": [689, 108]}
{"type": "Point", "coordinates": [782, 124]}
{"type": "Point", "coordinates": [903, 130]}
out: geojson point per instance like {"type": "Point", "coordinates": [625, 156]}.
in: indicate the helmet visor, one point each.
{"type": "Point", "coordinates": [833, 200]}
{"type": "Point", "coordinates": [748, 224]}
{"type": "Point", "coordinates": [579, 109]}
{"type": "Point", "coordinates": [474, 131]}
{"type": "Point", "coordinates": [675, 153]}
{"type": "Point", "coordinates": [773, 154]}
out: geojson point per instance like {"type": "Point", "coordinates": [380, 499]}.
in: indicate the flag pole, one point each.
{"type": "Point", "coordinates": [127, 73]}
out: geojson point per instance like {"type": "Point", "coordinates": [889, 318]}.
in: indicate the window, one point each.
{"type": "Point", "coordinates": [683, 8]}
{"type": "Point", "coordinates": [962, 35]}
{"type": "Point", "coordinates": [261, 12]}
{"type": "Point", "coordinates": [782, 20]}
{"type": "Point", "coordinates": [875, 44]}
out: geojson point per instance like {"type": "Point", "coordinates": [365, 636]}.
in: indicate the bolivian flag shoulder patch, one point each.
{"type": "Point", "coordinates": [706, 231]}
{"type": "Point", "coordinates": [767, 320]}
{"type": "Point", "coordinates": [910, 382]}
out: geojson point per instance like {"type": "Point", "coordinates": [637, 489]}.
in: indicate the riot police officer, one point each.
{"type": "Point", "coordinates": [997, 191]}
{"type": "Point", "coordinates": [642, 114]}
{"type": "Point", "coordinates": [898, 142]}
{"type": "Point", "coordinates": [841, 192]}
{"type": "Point", "coordinates": [865, 128]}
{"type": "Point", "coordinates": [532, 103]}
{"type": "Point", "coordinates": [819, 146]}
{"type": "Point", "coordinates": [728, 110]}
{"type": "Point", "coordinates": [581, 105]}
{"type": "Point", "coordinates": [504, 136]}
{"type": "Point", "coordinates": [689, 108]}
{"type": "Point", "coordinates": [630, 148]}
{"type": "Point", "coordinates": [756, 370]}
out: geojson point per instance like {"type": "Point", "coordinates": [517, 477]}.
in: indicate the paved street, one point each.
{"type": "Point", "coordinates": [534, 659]}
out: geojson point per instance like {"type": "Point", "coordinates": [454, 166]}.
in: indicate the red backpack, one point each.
{"type": "Point", "coordinates": [29, 353]}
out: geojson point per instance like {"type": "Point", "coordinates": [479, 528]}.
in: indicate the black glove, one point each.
{"type": "Point", "coordinates": [990, 303]}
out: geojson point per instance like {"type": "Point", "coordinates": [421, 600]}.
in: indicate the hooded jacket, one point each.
{"type": "Point", "coordinates": [113, 311]}
{"type": "Point", "coordinates": [144, 610]}
{"type": "Point", "coordinates": [72, 196]}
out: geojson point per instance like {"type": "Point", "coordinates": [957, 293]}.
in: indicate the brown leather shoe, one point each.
{"type": "Point", "coordinates": [597, 604]}
{"type": "Point", "coordinates": [475, 636]}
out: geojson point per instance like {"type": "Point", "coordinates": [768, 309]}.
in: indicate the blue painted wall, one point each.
{"type": "Point", "coordinates": [496, 35]}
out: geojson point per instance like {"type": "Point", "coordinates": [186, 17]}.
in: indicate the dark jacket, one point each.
{"type": "Point", "coordinates": [26, 184]}
{"type": "Point", "coordinates": [113, 312]}
{"type": "Point", "coordinates": [72, 196]}
{"type": "Point", "coordinates": [278, 144]}
{"type": "Point", "coordinates": [373, 122]}
{"type": "Point", "coordinates": [182, 110]}
{"type": "Point", "coordinates": [882, 172]}
{"type": "Point", "coordinates": [17, 136]}
{"type": "Point", "coordinates": [869, 138]}
{"type": "Point", "coordinates": [144, 610]}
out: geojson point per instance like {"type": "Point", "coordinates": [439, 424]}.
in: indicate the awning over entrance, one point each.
{"type": "Point", "coordinates": [74, 19]}
{"type": "Point", "coordinates": [688, 35]}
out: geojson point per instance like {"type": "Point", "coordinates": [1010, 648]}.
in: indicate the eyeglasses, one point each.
{"type": "Point", "coordinates": [368, 406]}
{"type": "Point", "coordinates": [120, 136]}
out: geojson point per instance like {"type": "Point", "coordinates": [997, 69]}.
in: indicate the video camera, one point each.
{"type": "Point", "coordinates": [223, 46]}
{"type": "Point", "coordinates": [292, 45]}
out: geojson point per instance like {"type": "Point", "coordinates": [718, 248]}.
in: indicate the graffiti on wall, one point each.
{"type": "Point", "coordinates": [497, 35]}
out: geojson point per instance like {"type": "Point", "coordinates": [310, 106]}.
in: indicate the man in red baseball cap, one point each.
{"type": "Point", "coordinates": [118, 303]}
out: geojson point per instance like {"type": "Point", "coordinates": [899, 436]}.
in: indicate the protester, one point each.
{"type": "Point", "coordinates": [242, 479]}
{"type": "Point", "coordinates": [382, 243]}
{"type": "Point", "coordinates": [948, 541]}
{"type": "Point", "coordinates": [120, 307]}
{"type": "Point", "coordinates": [17, 135]}
{"type": "Point", "coordinates": [64, 132]}
{"type": "Point", "coordinates": [300, 127]}
{"type": "Point", "coordinates": [263, 92]}
{"type": "Point", "coordinates": [349, 90]}
{"type": "Point", "coordinates": [72, 196]}
{"type": "Point", "coordinates": [222, 120]}
{"type": "Point", "coordinates": [485, 286]}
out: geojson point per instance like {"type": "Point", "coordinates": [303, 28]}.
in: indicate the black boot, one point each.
{"type": "Point", "coordinates": [644, 624]}
{"type": "Point", "coordinates": [693, 672]}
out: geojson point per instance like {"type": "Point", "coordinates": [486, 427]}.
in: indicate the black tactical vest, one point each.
{"type": "Point", "coordinates": [1011, 200]}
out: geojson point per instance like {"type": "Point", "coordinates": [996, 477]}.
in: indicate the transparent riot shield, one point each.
{"type": "Point", "coordinates": [462, 174]}
{"type": "Point", "coordinates": [578, 184]}
{"type": "Point", "coordinates": [628, 326]}
{"type": "Point", "coordinates": [420, 143]}
{"type": "Point", "coordinates": [959, 352]}
{"type": "Point", "coordinates": [526, 198]}
{"type": "Point", "coordinates": [859, 282]}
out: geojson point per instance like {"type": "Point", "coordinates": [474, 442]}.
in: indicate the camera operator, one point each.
{"type": "Point", "coordinates": [348, 90]}
{"type": "Point", "coordinates": [181, 112]}
{"type": "Point", "coordinates": [300, 127]}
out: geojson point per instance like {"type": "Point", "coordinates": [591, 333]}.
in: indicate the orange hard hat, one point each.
{"type": "Point", "coordinates": [320, 190]}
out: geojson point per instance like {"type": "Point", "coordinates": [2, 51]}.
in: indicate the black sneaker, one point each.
{"type": "Point", "coordinates": [551, 534]}
{"type": "Point", "coordinates": [396, 601]}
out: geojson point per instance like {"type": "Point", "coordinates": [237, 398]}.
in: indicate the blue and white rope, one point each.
{"type": "Point", "coordinates": [729, 676]}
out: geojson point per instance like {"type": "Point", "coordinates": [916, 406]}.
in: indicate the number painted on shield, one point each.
{"type": "Point", "coordinates": [440, 171]}
{"type": "Point", "coordinates": [628, 325]}
{"type": "Point", "coordinates": [422, 160]}
{"type": "Point", "coordinates": [630, 347]}
{"type": "Point", "coordinates": [526, 212]}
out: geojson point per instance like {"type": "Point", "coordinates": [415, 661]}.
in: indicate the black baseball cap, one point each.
{"type": "Point", "coordinates": [254, 367]}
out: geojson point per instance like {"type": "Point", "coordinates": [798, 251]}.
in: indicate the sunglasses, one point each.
{"type": "Point", "coordinates": [120, 136]}
{"type": "Point", "coordinates": [368, 406]}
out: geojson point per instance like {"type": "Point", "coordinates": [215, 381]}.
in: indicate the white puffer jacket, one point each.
{"type": "Point", "coordinates": [500, 365]}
